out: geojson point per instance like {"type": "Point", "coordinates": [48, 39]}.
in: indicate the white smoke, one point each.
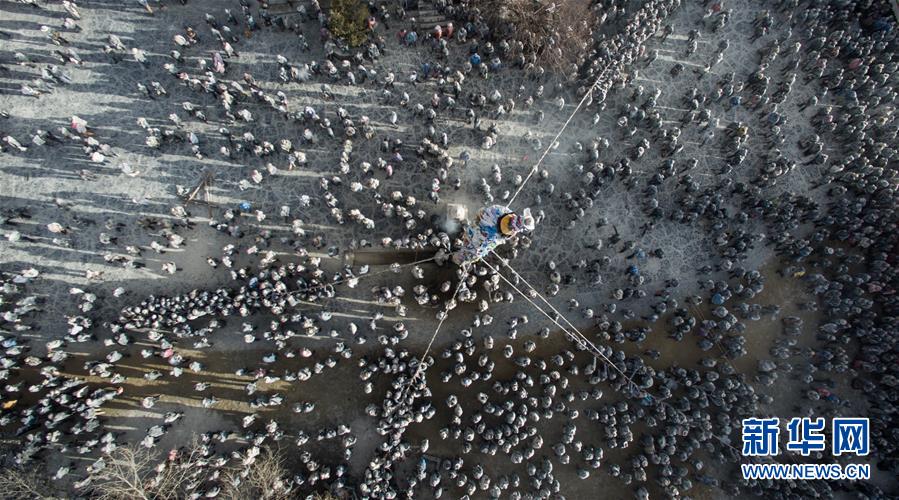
{"type": "Point", "coordinates": [451, 226]}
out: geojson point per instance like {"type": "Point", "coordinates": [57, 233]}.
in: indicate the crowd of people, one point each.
{"type": "Point", "coordinates": [825, 69]}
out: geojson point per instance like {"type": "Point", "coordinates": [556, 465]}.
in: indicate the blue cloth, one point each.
{"type": "Point", "coordinates": [488, 220]}
{"type": "Point", "coordinates": [475, 59]}
{"type": "Point", "coordinates": [480, 238]}
{"type": "Point", "coordinates": [245, 206]}
{"type": "Point", "coordinates": [717, 299]}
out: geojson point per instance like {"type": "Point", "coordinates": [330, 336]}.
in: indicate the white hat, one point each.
{"type": "Point", "coordinates": [527, 220]}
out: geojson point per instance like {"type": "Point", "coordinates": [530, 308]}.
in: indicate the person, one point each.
{"type": "Point", "coordinates": [495, 224]}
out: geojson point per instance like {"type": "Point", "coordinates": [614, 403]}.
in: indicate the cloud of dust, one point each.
{"type": "Point", "coordinates": [451, 225]}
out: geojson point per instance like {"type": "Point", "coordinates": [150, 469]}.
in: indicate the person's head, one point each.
{"type": "Point", "coordinates": [512, 223]}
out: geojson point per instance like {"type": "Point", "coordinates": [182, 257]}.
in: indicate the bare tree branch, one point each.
{"type": "Point", "coordinates": [132, 472]}
{"type": "Point", "coordinates": [17, 483]}
{"type": "Point", "coordinates": [264, 476]}
{"type": "Point", "coordinates": [555, 33]}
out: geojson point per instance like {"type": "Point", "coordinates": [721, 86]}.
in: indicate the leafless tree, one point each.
{"type": "Point", "coordinates": [555, 32]}
{"type": "Point", "coordinates": [17, 483]}
{"type": "Point", "coordinates": [262, 476]}
{"type": "Point", "coordinates": [135, 472]}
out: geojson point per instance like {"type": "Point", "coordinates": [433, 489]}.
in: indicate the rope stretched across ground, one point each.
{"type": "Point", "coordinates": [450, 304]}
{"type": "Point", "coordinates": [616, 62]}
{"type": "Point", "coordinates": [582, 340]}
